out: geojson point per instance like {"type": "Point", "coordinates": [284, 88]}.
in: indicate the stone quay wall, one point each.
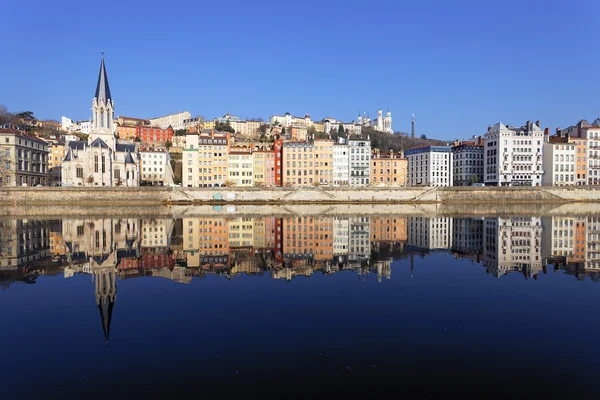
{"type": "Point", "coordinates": [140, 196]}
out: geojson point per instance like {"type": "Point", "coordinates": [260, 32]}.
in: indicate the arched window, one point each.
{"type": "Point", "coordinates": [79, 171]}
{"type": "Point", "coordinates": [95, 162]}
{"type": "Point", "coordinates": [101, 119]}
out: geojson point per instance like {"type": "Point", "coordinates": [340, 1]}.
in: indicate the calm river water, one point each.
{"type": "Point", "coordinates": [296, 307]}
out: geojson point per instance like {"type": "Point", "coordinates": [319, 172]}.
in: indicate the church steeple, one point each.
{"type": "Point", "coordinates": [103, 106]}
{"type": "Point", "coordinates": [102, 88]}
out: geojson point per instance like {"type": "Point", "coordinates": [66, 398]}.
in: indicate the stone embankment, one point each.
{"type": "Point", "coordinates": [142, 196]}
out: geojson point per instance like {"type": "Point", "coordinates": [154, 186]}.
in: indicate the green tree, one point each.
{"type": "Point", "coordinates": [424, 137]}
{"type": "Point", "coordinates": [168, 144]}
{"type": "Point", "coordinates": [283, 131]}
{"type": "Point", "coordinates": [180, 132]}
{"type": "Point", "coordinates": [341, 130]}
{"type": "Point", "coordinates": [224, 127]}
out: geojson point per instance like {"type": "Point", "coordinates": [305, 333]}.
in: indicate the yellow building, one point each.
{"type": "Point", "coordinates": [209, 124]}
{"type": "Point", "coordinates": [388, 169]}
{"type": "Point", "coordinates": [319, 127]}
{"type": "Point", "coordinates": [240, 167]}
{"type": "Point", "coordinates": [57, 152]}
{"type": "Point", "coordinates": [259, 234]}
{"type": "Point", "coordinates": [205, 159]}
{"type": "Point", "coordinates": [259, 165]}
{"type": "Point", "coordinates": [323, 164]}
{"type": "Point", "coordinates": [241, 232]}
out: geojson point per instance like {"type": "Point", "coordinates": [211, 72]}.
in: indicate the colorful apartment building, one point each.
{"type": "Point", "coordinates": [205, 159]}
{"type": "Point", "coordinates": [153, 135]}
{"type": "Point", "coordinates": [298, 165]}
{"type": "Point", "coordinates": [323, 161]}
{"type": "Point", "coordinates": [240, 167]}
{"type": "Point", "coordinates": [57, 152]}
{"type": "Point", "coordinates": [388, 169]}
{"type": "Point", "coordinates": [126, 131]}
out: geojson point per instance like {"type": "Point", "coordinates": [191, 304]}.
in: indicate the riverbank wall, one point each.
{"type": "Point", "coordinates": [83, 196]}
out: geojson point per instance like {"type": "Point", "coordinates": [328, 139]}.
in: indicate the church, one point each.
{"type": "Point", "coordinates": [102, 160]}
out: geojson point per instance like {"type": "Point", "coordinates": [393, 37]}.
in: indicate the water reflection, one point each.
{"type": "Point", "coordinates": [285, 248]}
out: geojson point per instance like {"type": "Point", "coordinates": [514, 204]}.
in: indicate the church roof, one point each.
{"type": "Point", "coordinates": [126, 147]}
{"type": "Point", "coordinates": [596, 122]}
{"type": "Point", "coordinates": [99, 143]}
{"type": "Point", "coordinates": [76, 145]}
{"type": "Point", "coordinates": [102, 89]}
{"type": "Point", "coordinates": [68, 156]}
{"type": "Point", "coordinates": [129, 159]}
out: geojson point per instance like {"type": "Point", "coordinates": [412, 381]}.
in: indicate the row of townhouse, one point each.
{"type": "Point", "coordinates": [210, 159]}
{"type": "Point", "coordinates": [512, 156]}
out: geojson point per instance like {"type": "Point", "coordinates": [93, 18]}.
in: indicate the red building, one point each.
{"type": "Point", "coordinates": [152, 134]}
{"type": "Point", "coordinates": [278, 150]}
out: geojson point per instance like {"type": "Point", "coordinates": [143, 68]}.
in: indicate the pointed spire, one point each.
{"type": "Point", "coordinates": [102, 89]}
{"type": "Point", "coordinates": [106, 308]}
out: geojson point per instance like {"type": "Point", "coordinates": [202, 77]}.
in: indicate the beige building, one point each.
{"type": "Point", "coordinates": [241, 167]}
{"type": "Point", "coordinates": [205, 159]}
{"type": "Point", "coordinates": [176, 121]}
{"type": "Point", "coordinates": [298, 165]}
{"type": "Point", "coordinates": [388, 169]}
{"type": "Point", "coordinates": [323, 164]}
{"type": "Point", "coordinates": [24, 159]}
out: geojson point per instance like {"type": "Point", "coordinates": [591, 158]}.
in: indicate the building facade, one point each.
{"type": "Point", "coordinates": [154, 136]}
{"type": "Point", "coordinates": [341, 163]}
{"type": "Point", "coordinates": [558, 162]}
{"type": "Point", "coordinates": [360, 162]}
{"type": "Point", "coordinates": [155, 167]}
{"type": "Point", "coordinates": [467, 162]}
{"type": "Point", "coordinates": [57, 152]}
{"type": "Point", "coordinates": [388, 169]}
{"type": "Point", "coordinates": [176, 121]}
{"type": "Point", "coordinates": [240, 167]}
{"type": "Point", "coordinates": [430, 166]}
{"type": "Point", "coordinates": [23, 158]}
{"type": "Point", "coordinates": [205, 159]}
{"type": "Point", "coordinates": [513, 156]}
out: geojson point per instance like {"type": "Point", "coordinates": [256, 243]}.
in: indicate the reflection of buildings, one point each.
{"type": "Point", "coordinates": [23, 241]}
{"type": "Point", "coordinates": [430, 233]}
{"type": "Point", "coordinates": [360, 243]}
{"type": "Point", "coordinates": [467, 237]}
{"type": "Point", "coordinates": [512, 244]}
{"type": "Point", "coordinates": [388, 231]}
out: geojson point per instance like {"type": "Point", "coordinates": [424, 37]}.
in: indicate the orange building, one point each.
{"type": "Point", "coordinates": [388, 230]}
{"type": "Point", "coordinates": [580, 159]}
{"type": "Point", "coordinates": [152, 134]}
{"type": "Point", "coordinates": [298, 133]}
{"type": "Point", "coordinates": [308, 237]}
{"type": "Point", "coordinates": [278, 162]}
{"type": "Point", "coordinates": [126, 131]}
{"type": "Point", "coordinates": [388, 169]}
{"type": "Point", "coordinates": [580, 241]}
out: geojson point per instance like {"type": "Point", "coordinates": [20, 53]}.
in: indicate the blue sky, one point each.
{"type": "Point", "coordinates": [458, 65]}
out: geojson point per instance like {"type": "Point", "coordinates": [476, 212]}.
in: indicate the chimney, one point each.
{"type": "Point", "coordinates": [528, 126]}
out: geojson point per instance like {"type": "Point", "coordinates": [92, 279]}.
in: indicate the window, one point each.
{"type": "Point", "coordinates": [117, 174]}
{"type": "Point", "coordinates": [79, 172]}
{"type": "Point", "coordinates": [95, 163]}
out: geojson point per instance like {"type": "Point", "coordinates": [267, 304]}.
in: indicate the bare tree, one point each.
{"type": "Point", "coordinates": [90, 180]}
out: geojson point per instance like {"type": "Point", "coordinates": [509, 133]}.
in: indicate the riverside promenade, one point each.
{"type": "Point", "coordinates": [139, 196]}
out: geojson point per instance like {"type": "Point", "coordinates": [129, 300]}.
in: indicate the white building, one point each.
{"type": "Point", "coordinates": [430, 166]}
{"type": "Point", "coordinates": [513, 156]}
{"type": "Point", "coordinates": [66, 123]}
{"type": "Point", "coordinates": [341, 236]}
{"type": "Point", "coordinates": [85, 126]}
{"type": "Point", "coordinates": [559, 162]}
{"type": "Point", "coordinates": [156, 233]}
{"type": "Point", "coordinates": [102, 160]}
{"type": "Point", "coordinates": [287, 120]}
{"type": "Point", "coordinates": [156, 167]}
{"type": "Point", "coordinates": [350, 128]}
{"type": "Point", "coordinates": [381, 124]}
{"type": "Point", "coordinates": [512, 244]}
{"type": "Point", "coordinates": [467, 163]}
{"type": "Point", "coordinates": [430, 233]}
{"type": "Point", "coordinates": [360, 162]}
{"type": "Point", "coordinates": [176, 121]}
{"type": "Point", "coordinates": [360, 238]}
{"type": "Point", "coordinates": [341, 163]}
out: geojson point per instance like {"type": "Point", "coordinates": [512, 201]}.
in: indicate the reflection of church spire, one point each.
{"type": "Point", "coordinates": [106, 307]}
{"type": "Point", "coordinates": [412, 265]}
{"type": "Point", "coordinates": [106, 293]}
